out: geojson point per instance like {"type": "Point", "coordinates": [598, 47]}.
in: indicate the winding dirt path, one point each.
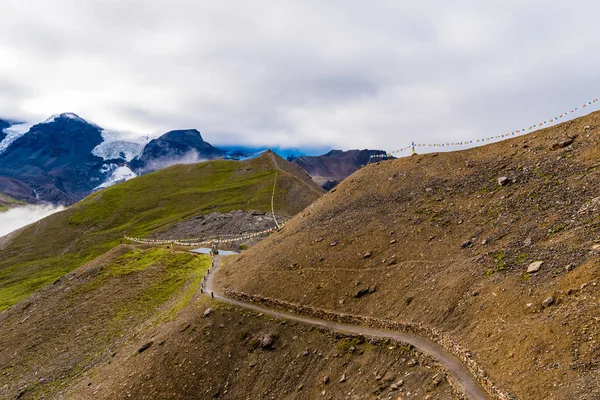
{"type": "Point", "coordinates": [470, 387]}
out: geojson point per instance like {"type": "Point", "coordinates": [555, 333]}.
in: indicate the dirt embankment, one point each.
{"type": "Point", "coordinates": [447, 240]}
{"type": "Point", "coordinates": [217, 351]}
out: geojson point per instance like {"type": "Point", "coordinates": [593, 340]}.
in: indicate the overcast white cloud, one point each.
{"type": "Point", "coordinates": [18, 217]}
{"type": "Point", "coordinates": [340, 73]}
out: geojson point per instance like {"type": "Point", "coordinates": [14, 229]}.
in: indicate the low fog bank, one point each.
{"type": "Point", "coordinates": [191, 157]}
{"type": "Point", "coordinates": [16, 218]}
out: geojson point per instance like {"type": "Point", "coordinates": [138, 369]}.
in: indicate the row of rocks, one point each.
{"type": "Point", "coordinates": [433, 334]}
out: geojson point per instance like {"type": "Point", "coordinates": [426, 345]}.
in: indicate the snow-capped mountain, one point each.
{"type": "Point", "coordinates": [53, 160]}
{"type": "Point", "coordinates": [65, 157]}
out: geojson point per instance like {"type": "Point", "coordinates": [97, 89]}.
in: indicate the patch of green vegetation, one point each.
{"type": "Point", "coordinates": [556, 229]}
{"type": "Point", "coordinates": [345, 344]}
{"type": "Point", "coordinates": [179, 269]}
{"type": "Point", "coordinates": [68, 239]}
{"type": "Point", "coordinates": [164, 277]}
{"type": "Point", "coordinates": [499, 256]}
{"type": "Point", "coordinates": [522, 257]}
{"type": "Point", "coordinates": [7, 199]}
{"type": "Point", "coordinates": [490, 187]}
{"type": "Point", "coordinates": [17, 282]}
{"type": "Point", "coordinates": [499, 259]}
{"type": "Point", "coordinates": [7, 202]}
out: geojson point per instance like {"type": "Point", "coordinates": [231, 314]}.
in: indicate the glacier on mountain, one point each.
{"type": "Point", "coordinates": [115, 146]}
{"type": "Point", "coordinates": [119, 174]}
{"type": "Point", "coordinates": [13, 133]}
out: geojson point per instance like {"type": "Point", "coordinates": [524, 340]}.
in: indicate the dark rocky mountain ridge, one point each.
{"type": "Point", "coordinates": [184, 146]}
{"type": "Point", "coordinates": [330, 169]}
{"type": "Point", "coordinates": [54, 160]}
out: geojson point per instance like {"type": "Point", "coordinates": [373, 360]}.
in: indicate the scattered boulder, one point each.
{"type": "Point", "coordinates": [527, 242]}
{"type": "Point", "coordinates": [372, 289]}
{"type": "Point", "coordinates": [534, 267]}
{"type": "Point", "coordinates": [145, 346]}
{"type": "Point", "coordinates": [412, 362]}
{"type": "Point", "coordinates": [361, 293]}
{"type": "Point", "coordinates": [326, 379]}
{"type": "Point", "coordinates": [334, 243]}
{"type": "Point", "coordinates": [368, 254]}
{"type": "Point", "coordinates": [343, 378]}
{"type": "Point", "coordinates": [208, 312]}
{"type": "Point", "coordinates": [267, 341]}
{"type": "Point", "coordinates": [22, 392]}
{"type": "Point", "coordinates": [548, 302]}
{"type": "Point", "coordinates": [466, 243]}
{"type": "Point", "coordinates": [562, 144]}
{"type": "Point", "coordinates": [397, 385]}
{"type": "Point", "coordinates": [503, 180]}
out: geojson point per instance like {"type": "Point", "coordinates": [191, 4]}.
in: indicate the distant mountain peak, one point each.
{"type": "Point", "coordinates": [182, 134]}
{"type": "Point", "coordinates": [69, 116]}
{"type": "Point", "coordinates": [175, 147]}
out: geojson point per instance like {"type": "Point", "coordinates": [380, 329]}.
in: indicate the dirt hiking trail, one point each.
{"type": "Point", "coordinates": [470, 387]}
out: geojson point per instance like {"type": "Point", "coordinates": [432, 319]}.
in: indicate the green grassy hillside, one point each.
{"type": "Point", "coordinates": [56, 245]}
{"type": "Point", "coordinates": [99, 306]}
{"type": "Point", "coordinates": [7, 202]}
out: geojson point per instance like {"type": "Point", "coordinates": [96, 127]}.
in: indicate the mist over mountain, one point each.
{"type": "Point", "coordinates": [176, 147]}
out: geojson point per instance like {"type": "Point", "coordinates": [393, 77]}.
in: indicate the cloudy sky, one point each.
{"type": "Point", "coordinates": [339, 73]}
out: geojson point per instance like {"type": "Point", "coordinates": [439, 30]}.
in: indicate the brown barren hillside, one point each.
{"type": "Point", "coordinates": [447, 240]}
{"type": "Point", "coordinates": [133, 324]}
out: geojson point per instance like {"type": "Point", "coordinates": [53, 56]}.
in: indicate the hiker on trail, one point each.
{"type": "Point", "coordinates": [213, 250]}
